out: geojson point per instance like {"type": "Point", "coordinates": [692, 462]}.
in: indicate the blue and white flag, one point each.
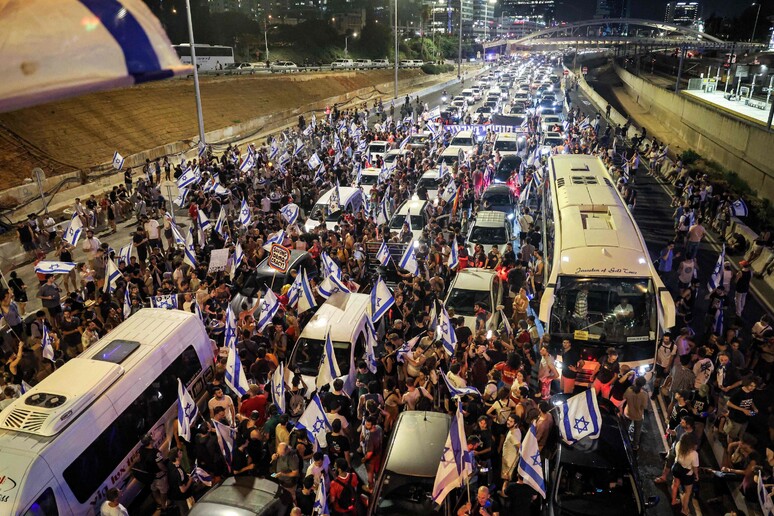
{"type": "Point", "coordinates": [442, 170]}
{"type": "Point", "coordinates": [739, 208]}
{"type": "Point", "coordinates": [182, 193]}
{"type": "Point", "coordinates": [204, 222]}
{"type": "Point", "coordinates": [308, 130]}
{"type": "Point", "coordinates": [235, 375]}
{"type": "Point", "coordinates": [717, 324]}
{"type": "Point", "coordinates": [383, 254]}
{"type": "Point", "coordinates": [237, 258]}
{"type": "Point", "coordinates": [201, 476]}
{"type": "Point", "coordinates": [274, 149]}
{"type": "Point", "coordinates": [330, 286]}
{"type": "Point", "coordinates": [381, 299]}
{"type": "Point", "coordinates": [370, 348]}
{"type": "Point", "coordinates": [74, 230]}
{"type": "Point", "coordinates": [506, 324]}
{"type": "Point", "coordinates": [409, 259]}
{"type": "Point", "coordinates": [269, 307]}
{"type": "Point", "coordinates": [127, 304]}
{"type": "Point", "coordinates": [329, 368]}
{"type": "Point", "coordinates": [187, 411]}
{"type": "Point", "coordinates": [450, 192]}
{"type": "Point", "coordinates": [52, 267]}
{"type": "Point", "coordinates": [189, 251]}
{"type": "Point", "coordinates": [329, 267]}
{"type": "Point", "coordinates": [383, 215]}
{"type": "Point", "coordinates": [530, 463]}
{"type": "Point", "coordinates": [284, 160]}
{"type": "Point", "coordinates": [314, 161]}
{"type": "Point", "coordinates": [290, 213]}
{"type": "Point", "coordinates": [585, 123]}
{"type": "Point", "coordinates": [579, 417]}
{"type": "Point", "coordinates": [112, 275]}
{"type": "Point", "coordinates": [188, 177]}
{"type": "Point", "coordinates": [404, 142]}
{"type": "Point", "coordinates": [716, 279]}
{"type": "Point", "coordinates": [244, 214]}
{"type": "Point", "coordinates": [454, 256]}
{"type": "Point", "coordinates": [447, 333]}
{"type": "Point", "coordinates": [47, 344]}
{"type": "Point", "coordinates": [274, 238]}
{"type": "Point", "coordinates": [299, 147]}
{"type": "Point", "coordinates": [178, 236]}
{"type": "Point", "coordinates": [400, 353]}
{"type": "Point", "coordinates": [125, 253]}
{"type": "Point", "coordinates": [320, 507]}
{"type": "Point", "coordinates": [278, 387]}
{"type": "Point", "coordinates": [168, 301]}
{"type": "Point", "coordinates": [248, 162]}
{"type": "Point", "coordinates": [458, 391]}
{"type": "Point", "coordinates": [461, 157]}
{"type": "Point", "coordinates": [118, 161]}
{"type": "Point", "coordinates": [300, 295]}
{"type": "Point", "coordinates": [226, 438]}
{"type": "Point", "coordinates": [456, 466]}
{"type": "Point", "coordinates": [315, 422]}
{"type": "Point", "coordinates": [221, 225]}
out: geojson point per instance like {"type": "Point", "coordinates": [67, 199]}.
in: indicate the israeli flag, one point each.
{"type": "Point", "coordinates": [47, 344]}
{"type": "Point", "coordinates": [244, 213]}
{"type": "Point", "coordinates": [177, 235]}
{"type": "Point", "coordinates": [273, 150]}
{"type": "Point", "coordinates": [284, 160]}
{"type": "Point", "coordinates": [506, 324]}
{"type": "Point", "coordinates": [235, 375]}
{"type": "Point", "coordinates": [320, 172]}
{"type": "Point", "coordinates": [330, 286]}
{"type": "Point", "coordinates": [226, 437]}
{"type": "Point", "coordinates": [314, 161]}
{"type": "Point", "coordinates": [450, 192]}
{"type": "Point", "coordinates": [269, 307]}
{"type": "Point", "coordinates": [204, 222]}
{"type": "Point", "coordinates": [74, 230]}
{"type": "Point", "coordinates": [308, 130]}
{"type": "Point", "coordinates": [739, 208]}
{"type": "Point", "coordinates": [409, 260]}
{"type": "Point", "coordinates": [221, 224]}
{"type": "Point", "coordinates": [187, 411]}
{"type": "Point", "coordinates": [329, 368]}
{"type": "Point", "coordinates": [118, 161]}
{"type": "Point", "coordinates": [337, 143]}
{"type": "Point", "coordinates": [299, 147]}
{"type": "Point", "coordinates": [456, 466]}
{"type": "Point", "coordinates": [442, 169]}
{"type": "Point", "coordinates": [447, 334]}
{"type": "Point", "coordinates": [400, 353]}
{"type": "Point", "coordinates": [454, 256]}
{"type": "Point", "coordinates": [112, 275]}
{"type": "Point", "coordinates": [52, 267]}
{"type": "Point", "coordinates": [239, 255]}
{"type": "Point", "coordinates": [201, 476]}
{"type": "Point", "coordinates": [274, 238]}
{"type": "Point", "coordinates": [458, 391]}
{"type": "Point", "coordinates": [461, 157]}
{"type": "Point", "coordinates": [202, 149]}
{"type": "Point", "coordinates": [320, 506]}
{"type": "Point", "coordinates": [584, 124]}
{"type": "Point", "coordinates": [198, 311]}
{"type": "Point", "coordinates": [405, 142]}
{"type": "Point", "coordinates": [278, 387]}
{"type": "Point", "coordinates": [290, 213]}
{"type": "Point", "coordinates": [127, 304]}
{"type": "Point", "coordinates": [188, 177]}
{"type": "Point", "coordinates": [248, 162]}
{"type": "Point", "coordinates": [330, 267]}
{"type": "Point", "coordinates": [716, 279]}
{"type": "Point", "coordinates": [383, 254]}
{"type": "Point", "coordinates": [717, 324]}
{"type": "Point", "coordinates": [382, 216]}
{"type": "Point", "coordinates": [300, 295]}
{"type": "Point", "coordinates": [579, 417]}
{"type": "Point", "coordinates": [190, 250]}
{"type": "Point", "coordinates": [182, 193]}
{"type": "Point", "coordinates": [370, 350]}
{"type": "Point", "coordinates": [530, 463]}
{"type": "Point", "coordinates": [168, 301]}
{"type": "Point", "coordinates": [314, 421]}
{"type": "Point", "coordinates": [381, 299]}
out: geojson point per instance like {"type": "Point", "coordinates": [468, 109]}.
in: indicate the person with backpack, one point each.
{"type": "Point", "coordinates": [416, 398]}
{"type": "Point", "coordinates": [344, 497]}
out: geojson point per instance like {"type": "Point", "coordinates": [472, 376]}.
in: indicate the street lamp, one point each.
{"type": "Point", "coordinates": [266, 35]}
{"type": "Point", "coordinates": [197, 92]}
{"type": "Point", "coordinates": [755, 26]}
{"type": "Point", "coordinates": [486, 17]}
{"type": "Point", "coordinates": [346, 38]}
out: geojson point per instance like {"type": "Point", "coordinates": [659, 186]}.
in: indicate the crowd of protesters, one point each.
{"type": "Point", "coordinates": [707, 378]}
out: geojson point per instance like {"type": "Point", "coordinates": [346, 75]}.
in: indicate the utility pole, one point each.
{"type": "Point", "coordinates": [197, 92]}
{"type": "Point", "coordinates": [459, 52]}
{"type": "Point", "coordinates": [396, 49]}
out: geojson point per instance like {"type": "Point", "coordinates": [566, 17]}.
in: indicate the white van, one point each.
{"type": "Point", "coordinates": [418, 211]}
{"type": "Point", "coordinates": [350, 199]}
{"type": "Point", "coordinates": [451, 155]}
{"type": "Point", "coordinates": [510, 143]}
{"type": "Point", "coordinates": [471, 286]}
{"type": "Point", "coordinates": [430, 182]}
{"type": "Point", "coordinates": [490, 228]}
{"type": "Point", "coordinates": [342, 63]}
{"type": "Point", "coordinates": [464, 139]}
{"type": "Point", "coordinates": [76, 434]}
{"type": "Point", "coordinates": [369, 178]}
{"type": "Point", "coordinates": [343, 315]}
{"type": "Point", "coordinates": [377, 148]}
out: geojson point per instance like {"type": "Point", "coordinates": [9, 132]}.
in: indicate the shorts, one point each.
{"type": "Point", "coordinates": [29, 246]}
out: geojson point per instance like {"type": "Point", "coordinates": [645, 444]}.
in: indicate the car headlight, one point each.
{"type": "Point", "coordinates": [510, 216]}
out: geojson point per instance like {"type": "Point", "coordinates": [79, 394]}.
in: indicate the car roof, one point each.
{"type": "Point", "coordinates": [496, 190]}
{"type": "Point", "coordinates": [417, 443]}
{"type": "Point", "coordinates": [490, 219]}
{"type": "Point", "coordinates": [415, 206]}
{"type": "Point", "coordinates": [295, 258]}
{"type": "Point", "coordinates": [474, 279]}
{"type": "Point", "coordinates": [238, 496]}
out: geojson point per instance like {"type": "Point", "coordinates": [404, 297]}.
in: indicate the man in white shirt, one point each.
{"type": "Point", "coordinates": [90, 246]}
{"type": "Point", "coordinates": [221, 400]}
{"type": "Point", "coordinates": [152, 229]}
{"type": "Point", "coordinates": [111, 506]}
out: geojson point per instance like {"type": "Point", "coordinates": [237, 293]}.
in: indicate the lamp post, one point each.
{"type": "Point", "coordinates": [486, 17]}
{"type": "Point", "coordinates": [266, 35]}
{"type": "Point", "coordinates": [346, 38]}
{"type": "Point", "coordinates": [396, 49]}
{"type": "Point", "coordinates": [755, 25]}
{"type": "Point", "coordinates": [197, 92]}
{"type": "Point", "coordinates": [459, 51]}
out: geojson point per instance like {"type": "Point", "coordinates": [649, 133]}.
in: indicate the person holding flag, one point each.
{"type": "Point", "coordinates": [530, 466]}
{"type": "Point", "coordinates": [456, 466]}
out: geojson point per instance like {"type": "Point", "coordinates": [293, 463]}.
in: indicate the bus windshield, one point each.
{"type": "Point", "coordinates": [610, 309]}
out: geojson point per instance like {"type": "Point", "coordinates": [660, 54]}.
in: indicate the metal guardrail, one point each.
{"type": "Point", "coordinates": [301, 69]}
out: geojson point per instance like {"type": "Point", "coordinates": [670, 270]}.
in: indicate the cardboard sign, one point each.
{"type": "Point", "coordinates": [218, 260]}
{"type": "Point", "coordinates": [279, 258]}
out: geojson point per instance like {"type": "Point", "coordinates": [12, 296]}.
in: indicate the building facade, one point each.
{"type": "Point", "coordinates": [533, 10]}
{"type": "Point", "coordinates": [682, 13]}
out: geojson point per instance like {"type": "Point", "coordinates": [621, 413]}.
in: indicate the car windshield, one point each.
{"type": "Point", "coordinates": [377, 147]}
{"type": "Point", "coordinates": [402, 495]}
{"type": "Point", "coordinates": [488, 236]}
{"type": "Point", "coordinates": [594, 491]}
{"type": "Point", "coordinates": [430, 183]}
{"type": "Point", "coordinates": [553, 142]}
{"type": "Point", "coordinates": [605, 309]}
{"type": "Point", "coordinates": [462, 300]}
{"type": "Point", "coordinates": [497, 199]}
{"type": "Point", "coordinates": [419, 140]}
{"type": "Point", "coordinates": [323, 209]}
{"type": "Point", "coordinates": [307, 355]}
{"type": "Point", "coordinates": [484, 109]}
{"type": "Point", "coordinates": [368, 180]}
{"type": "Point", "coordinates": [462, 141]}
{"type": "Point", "coordinates": [507, 145]}
{"type": "Point", "coordinates": [417, 222]}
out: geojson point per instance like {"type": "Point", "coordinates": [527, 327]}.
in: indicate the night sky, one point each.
{"type": "Point", "coordinates": [651, 9]}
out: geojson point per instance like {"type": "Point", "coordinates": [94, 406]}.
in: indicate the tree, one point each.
{"type": "Point", "coordinates": [375, 40]}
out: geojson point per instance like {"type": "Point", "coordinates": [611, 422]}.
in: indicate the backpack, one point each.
{"type": "Point", "coordinates": [348, 495]}
{"type": "Point", "coordinates": [423, 403]}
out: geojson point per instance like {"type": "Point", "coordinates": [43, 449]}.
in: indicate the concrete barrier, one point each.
{"type": "Point", "coordinates": [737, 144]}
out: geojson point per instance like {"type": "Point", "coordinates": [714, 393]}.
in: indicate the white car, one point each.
{"type": "Point", "coordinates": [381, 63]}
{"type": "Point", "coordinates": [339, 64]}
{"type": "Point", "coordinates": [462, 105]}
{"type": "Point", "coordinates": [284, 66]}
{"type": "Point", "coordinates": [363, 63]}
{"type": "Point", "coordinates": [471, 286]}
{"type": "Point", "coordinates": [369, 177]}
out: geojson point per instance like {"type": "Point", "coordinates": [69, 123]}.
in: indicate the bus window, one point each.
{"type": "Point", "coordinates": [110, 448]}
{"type": "Point", "coordinates": [45, 505]}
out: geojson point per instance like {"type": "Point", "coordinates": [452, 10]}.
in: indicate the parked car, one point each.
{"type": "Point", "coordinates": [342, 63]}
{"type": "Point", "coordinates": [250, 285]}
{"type": "Point", "coordinates": [381, 63]}
{"type": "Point", "coordinates": [284, 66]}
{"type": "Point", "coordinates": [363, 63]}
{"type": "Point", "coordinates": [244, 496]}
